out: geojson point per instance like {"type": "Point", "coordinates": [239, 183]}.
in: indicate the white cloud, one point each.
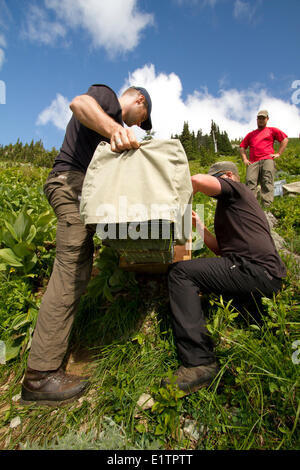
{"type": "Point", "coordinates": [114, 25]}
{"type": "Point", "coordinates": [233, 110]}
{"type": "Point", "coordinates": [40, 29]}
{"type": "Point", "coordinates": [58, 113]}
{"type": "Point", "coordinates": [243, 10]}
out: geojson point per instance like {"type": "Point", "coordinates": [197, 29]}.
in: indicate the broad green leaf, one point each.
{"type": "Point", "coordinates": [22, 225]}
{"type": "Point", "coordinates": [32, 234]}
{"type": "Point", "coordinates": [11, 230]}
{"type": "Point", "coordinates": [11, 350]}
{"type": "Point", "coordinates": [30, 264]}
{"type": "Point", "coordinates": [22, 250]}
{"type": "Point", "coordinates": [7, 239]}
{"type": "Point", "coordinates": [9, 257]}
{"type": "Point", "coordinates": [44, 219]}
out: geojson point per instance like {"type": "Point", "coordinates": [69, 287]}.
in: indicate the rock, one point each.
{"type": "Point", "coordinates": [16, 397]}
{"type": "Point", "coordinates": [278, 240]}
{"type": "Point", "coordinates": [192, 430]}
{"type": "Point", "coordinates": [271, 219]}
{"type": "Point", "coordinates": [15, 422]}
{"type": "Point", "coordinates": [145, 401]}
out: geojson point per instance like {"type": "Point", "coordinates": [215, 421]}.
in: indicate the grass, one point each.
{"type": "Point", "coordinates": [123, 327]}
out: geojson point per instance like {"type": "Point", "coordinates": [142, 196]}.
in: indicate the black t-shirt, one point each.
{"type": "Point", "coordinates": [242, 229]}
{"type": "Point", "coordinates": [80, 142]}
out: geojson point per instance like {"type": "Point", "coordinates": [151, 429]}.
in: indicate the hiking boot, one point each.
{"type": "Point", "coordinates": [190, 379]}
{"type": "Point", "coordinates": [51, 387]}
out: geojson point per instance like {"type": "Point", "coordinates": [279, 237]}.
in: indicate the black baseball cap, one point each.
{"type": "Point", "coordinates": [147, 124]}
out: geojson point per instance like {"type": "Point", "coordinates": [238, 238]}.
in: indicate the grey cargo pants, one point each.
{"type": "Point", "coordinates": [70, 276]}
{"type": "Point", "coordinates": [262, 172]}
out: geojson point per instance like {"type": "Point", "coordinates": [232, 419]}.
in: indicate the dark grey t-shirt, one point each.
{"type": "Point", "coordinates": [242, 229]}
{"type": "Point", "coordinates": [80, 142]}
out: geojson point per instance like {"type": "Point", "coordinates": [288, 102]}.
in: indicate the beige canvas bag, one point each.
{"type": "Point", "coordinates": [152, 182]}
{"type": "Point", "coordinates": [291, 189]}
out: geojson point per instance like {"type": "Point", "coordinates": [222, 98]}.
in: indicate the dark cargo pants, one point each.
{"type": "Point", "coordinates": [232, 277]}
{"type": "Point", "coordinates": [70, 276]}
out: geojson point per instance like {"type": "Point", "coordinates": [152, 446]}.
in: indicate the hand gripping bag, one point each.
{"type": "Point", "coordinates": [140, 200]}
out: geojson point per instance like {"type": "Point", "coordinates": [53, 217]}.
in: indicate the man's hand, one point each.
{"type": "Point", "coordinates": [90, 114]}
{"type": "Point", "coordinates": [244, 156]}
{"type": "Point", "coordinates": [196, 221]}
{"type": "Point", "coordinates": [123, 139]}
{"type": "Point", "coordinates": [275, 155]}
{"type": "Point", "coordinates": [208, 238]}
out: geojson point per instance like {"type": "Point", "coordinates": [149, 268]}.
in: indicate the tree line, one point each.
{"type": "Point", "coordinates": [34, 153]}
{"type": "Point", "coordinates": [205, 148]}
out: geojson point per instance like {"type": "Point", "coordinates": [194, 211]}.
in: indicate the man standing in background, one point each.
{"type": "Point", "coordinates": [260, 165]}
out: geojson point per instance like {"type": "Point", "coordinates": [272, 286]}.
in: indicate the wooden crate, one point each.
{"type": "Point", "coordinates": [181, 253]}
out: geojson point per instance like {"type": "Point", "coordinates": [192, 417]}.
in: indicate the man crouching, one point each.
{"type": "Point", "coordinates": [247, 266]}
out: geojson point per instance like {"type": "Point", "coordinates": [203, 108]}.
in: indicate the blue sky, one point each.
{"type": "Point", "coordinates": [199, 59]}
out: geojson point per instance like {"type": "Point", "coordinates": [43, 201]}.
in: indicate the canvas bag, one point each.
{"type": "Point", "coordinates": [291, 189]}
{"type": "Point", "coordinates": [138, 185]}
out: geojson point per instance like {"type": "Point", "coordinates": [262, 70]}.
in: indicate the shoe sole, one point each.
{"type": "Point", "coordinates": [53, 403]}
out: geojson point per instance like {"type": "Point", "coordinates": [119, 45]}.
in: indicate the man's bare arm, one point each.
{"type": "Point", "coordinates": [282, 148]}
{"type": "Point", "coordinates": [206, 184]}
{"type": "Point", "coordinates": [244, 156]}
{"type": "Point", "coordinates": [90, 114]}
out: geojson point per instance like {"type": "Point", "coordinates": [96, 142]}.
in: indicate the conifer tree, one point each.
{"type": "Point", "coordinates": [149, 135]}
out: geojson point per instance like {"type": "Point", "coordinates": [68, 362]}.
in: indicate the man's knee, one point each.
{"type": "Point", "coordinates": [176, 271]}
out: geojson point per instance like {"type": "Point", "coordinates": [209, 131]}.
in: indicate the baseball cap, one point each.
{"type": "Point", "coordinates": [219, 168]}
{"type": "Point", "coordinates": [147, 124]}
{"type": "Point", "coordinates": [263, 112]}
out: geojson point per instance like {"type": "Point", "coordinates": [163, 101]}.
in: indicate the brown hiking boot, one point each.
{"type": "Point", "coordinates": [51, 387]}
{"type": "Point", "coordinates": [190, 379]}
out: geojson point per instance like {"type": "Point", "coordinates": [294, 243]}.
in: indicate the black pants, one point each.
{"type": "Point", "coordinates": [231, 277]}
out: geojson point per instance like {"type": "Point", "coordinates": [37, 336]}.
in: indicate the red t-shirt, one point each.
{"type": "Point", "coordinates": [261, 143]}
